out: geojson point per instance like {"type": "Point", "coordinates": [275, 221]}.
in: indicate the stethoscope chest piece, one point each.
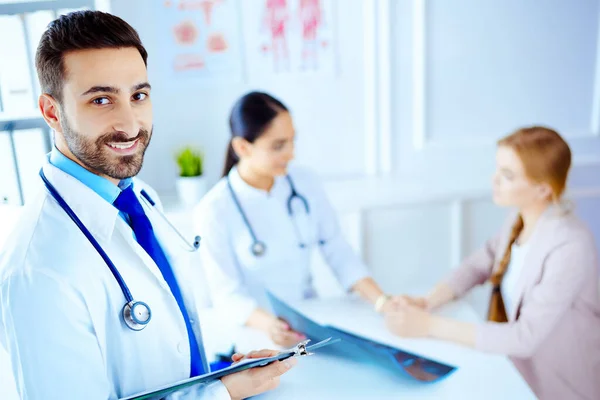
{"type": "Point", "coordinates": [136, 315]}
{"type": "Point", "coordinates": [258, 248]}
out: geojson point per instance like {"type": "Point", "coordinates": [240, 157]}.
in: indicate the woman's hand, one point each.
{"type": "Point", "coordinates": [281, 333]}
{"type": "Point", "coordinates": [278, 330]}
{"type": "Point", "coordinates": [414, 322]}
{"type": "Point", "coordinates": [395, 303]}
{"type": "Point", "coordinates": [410, 321]}
{"type": "Point", "coordinates": [418, 302]}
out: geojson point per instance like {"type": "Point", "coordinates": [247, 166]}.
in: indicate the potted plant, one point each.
{"type": "Point", "coordinates": [191, 184]}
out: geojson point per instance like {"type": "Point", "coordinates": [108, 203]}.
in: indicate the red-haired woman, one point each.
{"type": "Point", "coordinates": [545, 308]}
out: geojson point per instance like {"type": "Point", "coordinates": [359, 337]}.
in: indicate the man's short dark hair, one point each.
{"type": "Point", "coordinates": [80, 30]}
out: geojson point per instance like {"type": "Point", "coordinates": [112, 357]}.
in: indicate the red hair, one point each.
{"type": "Point", "coordinates": [546, 158]}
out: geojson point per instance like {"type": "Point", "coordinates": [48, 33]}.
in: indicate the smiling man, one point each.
{"type": "Point", "coordinates": [104, 128]}
{"type": "Point", "coordinates": [96, 302]}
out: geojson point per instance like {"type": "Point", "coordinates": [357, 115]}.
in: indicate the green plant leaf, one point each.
{"type": "Point", "coordinates": [190, 162]}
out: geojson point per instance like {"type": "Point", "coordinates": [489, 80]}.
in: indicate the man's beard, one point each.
{"type": "Point", "coordinates": [98, 158]}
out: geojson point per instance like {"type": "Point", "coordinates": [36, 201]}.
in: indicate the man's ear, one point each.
{"type": "Point", "coordinates": [241, 146]}
{"type": "Point", "coordinates": [50, 111]}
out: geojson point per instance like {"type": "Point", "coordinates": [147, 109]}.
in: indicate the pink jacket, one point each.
{"type": "Point", "coordinates": [553, 336]}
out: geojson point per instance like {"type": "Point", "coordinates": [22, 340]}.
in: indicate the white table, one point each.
{"type": "Point", "coordinates": [479, 376]}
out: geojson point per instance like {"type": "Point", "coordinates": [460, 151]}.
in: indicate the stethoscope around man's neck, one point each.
{"type": "Point", "coordinates": [258, 247]}
{"type": "Point", "coordinates": [136, 314]}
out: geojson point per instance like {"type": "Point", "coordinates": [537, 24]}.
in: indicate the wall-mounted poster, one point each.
{"type": "Point", "coordinates": [200, 39]}
{"type": "Point", "coordinates": [289, 36]}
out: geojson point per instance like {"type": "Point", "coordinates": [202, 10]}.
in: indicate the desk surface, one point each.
{"type": "Point", "coordinates": [480, 376]}
{"type": "Point", "coordinates": [327, 377]}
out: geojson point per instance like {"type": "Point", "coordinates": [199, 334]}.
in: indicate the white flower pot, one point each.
{"type": "Point", "coordinates": [191, 189]}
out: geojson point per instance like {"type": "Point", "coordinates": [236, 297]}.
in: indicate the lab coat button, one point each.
{"type": "Point", "coordinates": [180, 347]}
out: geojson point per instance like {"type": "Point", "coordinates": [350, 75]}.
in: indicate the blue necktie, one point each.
{"type": "Point", "coordinates": [128, 203]}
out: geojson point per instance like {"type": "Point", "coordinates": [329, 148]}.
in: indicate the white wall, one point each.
{"type": "Point", "coordinates": [326, 110]}
{"type": "Point", "coordinates": [467, 72]}
{"type": "Point", "coordinates": [8, 218]}
{"type": "Point", "coordinates": [463, 74]}
{"type": "Point", "coordinates": [405, 134]}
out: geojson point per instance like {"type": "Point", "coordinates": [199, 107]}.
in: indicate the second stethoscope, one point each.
{"type": "Point", "coordinates": [259, 248]}
{"type": "Point", "coordinates": [136, 314]}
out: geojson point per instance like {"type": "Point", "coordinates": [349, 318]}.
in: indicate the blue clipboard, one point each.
{"type": "Point", "coordinates": [409, 364]}
{"type": "Point", "coordinates": [300, 350]}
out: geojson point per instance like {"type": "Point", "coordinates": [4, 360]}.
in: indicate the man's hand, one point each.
{"type": "Point", "coordinates": [254, 381]}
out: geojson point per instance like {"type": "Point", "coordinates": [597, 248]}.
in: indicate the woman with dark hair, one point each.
{"type": "Point", "coordinates": [262, 220]}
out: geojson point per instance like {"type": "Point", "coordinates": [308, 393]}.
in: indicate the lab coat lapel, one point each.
{"type": "Point", "coordinates": [188, 275]}
{"type": "Point", "coordinates": [95, 213]}
{"type": "Point", "coordinates": [180, 259]}
{"type": "Point", "coordinates": [302, 223]}
{"type": "Point", "coordinates": [127, 233]}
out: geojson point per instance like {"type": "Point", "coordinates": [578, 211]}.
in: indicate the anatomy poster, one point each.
{"type": "Point", "coordinates": [289, 36]}
{"type": "Point", "coordinates": [200, 39]}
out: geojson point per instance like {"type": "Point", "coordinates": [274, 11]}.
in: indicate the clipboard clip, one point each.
{"type": "Point", "coordinates": [300, 349]}
{"type": "Point", "coordinates": [303, 349]}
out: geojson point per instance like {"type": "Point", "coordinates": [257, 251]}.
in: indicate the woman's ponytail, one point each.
{"type": "Point", "coordinates": [231, 159]}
